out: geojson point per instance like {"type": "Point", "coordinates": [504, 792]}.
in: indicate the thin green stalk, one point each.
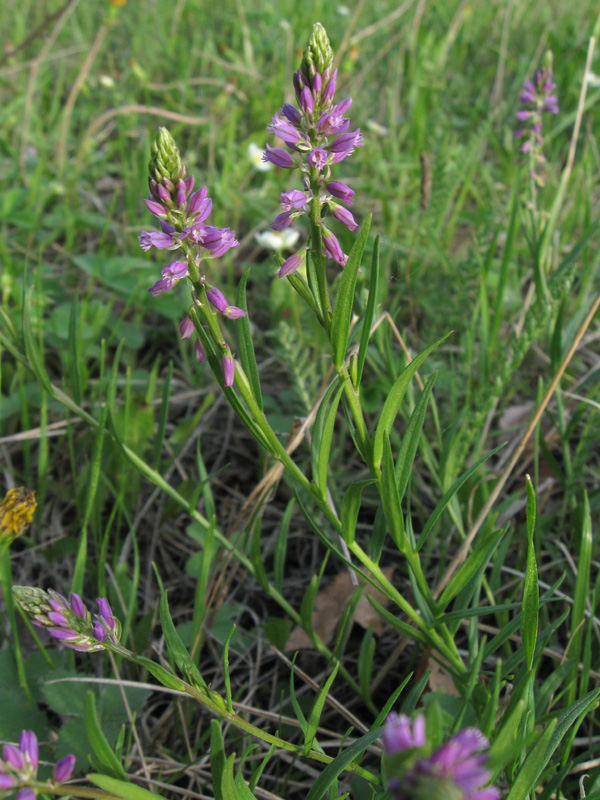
{"type": "Point", "coordinates": [437, 641]}
{"type": "Point", "coordinates": [317, 249]}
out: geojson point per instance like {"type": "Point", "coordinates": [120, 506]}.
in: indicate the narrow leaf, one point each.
{"type": "Point", "coordinates": [394, 399]}
{"type": "Point", "coordinates": [531, 593]}
{"type": "Point", "coordinates": [369, 312]}
{"type": "Point", "coordinates": [344, 298]}
{"type": "Point", "coordinates": [245, 344]}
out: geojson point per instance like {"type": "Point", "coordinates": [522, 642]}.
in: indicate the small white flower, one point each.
{"type": "Point", "coordinates": [255, 154]}
{"type": "Point", "coordinates": [278, 240]}
{"type": "Point", "coordinates": [377, 128]}
{"type": "Point", "coordinates": [593, 80]}
{"type": "Point", "coordinates": [343, 11]}
{"type": "Point", "coordinates": [106, 81]}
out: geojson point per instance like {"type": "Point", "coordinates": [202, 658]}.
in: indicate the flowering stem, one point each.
{"type": "Point", "coordinates": [436, 640]}
{"type": "Point", "coordinates": [317, 249]}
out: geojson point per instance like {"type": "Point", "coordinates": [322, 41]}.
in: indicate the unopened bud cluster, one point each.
{"type": "Point", "coordinates": [69, 621]}
{"type": "Point", "coordinates": [316, 135]}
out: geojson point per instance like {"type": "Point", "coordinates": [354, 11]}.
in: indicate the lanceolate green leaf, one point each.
{"type": "Point", "coordinates": [245, 344]}
{"type": "Point", "coordinates": [317, 709]}
{"type": "Point", "coordinates": [394, 399]}
{"type": "Point", "coordinates": [482, 552]}
{"type": "Point", "coordinates": [369, 312]}
{"type": "Point", "coordinates": [105, 755]}
{"type": "Point", "coordinates": [410, 440]}
{"type": "Point", "coordinates": [531, 594]}
{"type": "Point", "coordinates": [322, 436]}
{"type": "Point", "coordinates": [390, 497]}
{"type": "Point", "coordinates": [344, 298]}
{"type": "Point", "coordinates": [351, 507]}
{"type": "Point", "coordinates": [175, 644]}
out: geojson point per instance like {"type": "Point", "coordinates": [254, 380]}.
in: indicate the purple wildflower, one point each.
{"type": "Point", "coordinates": [341, 191]}
{"type": "Point", "coordinates": [456, 770]}
{"type": "Point", "coordinates": [294, 200]}
{"type": "Point", "coordinates": [157, 209]}
{"type": "Point", "coordinates": [317, 134]}
{"type": "Point", "coordinates": [63, 769]}
{"type": "Point", "coordinates": [218, 240]}
{"type": "Point", "coordinates": [282, 221]}
{"type": "Point", "coordinates": [228, 368]}
{"type": "Point", "coordinates": [186, 327]}
{"type": "Point", "coordinates": [402, 734]}
{"type": "Point", "coordinates": [19, 765]}
{"type": "Point", "coordinates": [537, 98]}
{"type": "Point", "coordinates": [317, 158]}
{"type": "Point", "coordinates": [278, 157]}
{"type": "Point", "coordinates": [291, 264]}
{"type": "Point", "coordinates": [332, 248]}
{"type": "Point", "coordinates": [162, 241]}
{"type": "Point", "coordinates": [345, 216]}
{"type": "Point", "coordinates": [68, 622]}
{"type": "Point", "coordinates": [199, 351]}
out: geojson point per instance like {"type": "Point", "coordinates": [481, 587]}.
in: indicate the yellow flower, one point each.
{"type": "Point", "coordinates": [16, 512]}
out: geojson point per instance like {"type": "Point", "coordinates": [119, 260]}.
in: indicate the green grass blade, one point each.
{"type": "Point", "coordinates": [245, 344]}
{"type": "Point", "coordinates": [531, 592]}
{"type": "Point", "coordinates": [394, 399]}
{"type": "Point", "coordinates": [344, 298]}
{"type": "Point", "coordinates": [369, 312]}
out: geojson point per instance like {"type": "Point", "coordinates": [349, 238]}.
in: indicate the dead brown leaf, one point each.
{"type": "Point", "coordinates": [329, 606]}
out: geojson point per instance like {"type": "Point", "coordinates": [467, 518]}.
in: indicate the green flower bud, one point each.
{"type": "Point", "coordinates": [165, 163]}
{"type": "Point", "coordinates": [318, 55]}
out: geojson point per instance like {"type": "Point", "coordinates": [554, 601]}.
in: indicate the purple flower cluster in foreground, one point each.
{"type": "Point", "coordinates": [19, 766]}
{"type": "Point", "coordinates": [455, 771]}
{"type": "Point", "coordinates": [69, 621]}
{"type": "Point", "coordinates": [537, 98]}
{"type": "Point", "coordinates": [316, 135]}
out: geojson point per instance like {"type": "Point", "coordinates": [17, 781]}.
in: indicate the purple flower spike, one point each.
{"type": "Point", "coordinates": [186, 327]}
{"type": "Point", "coordinates": [291, 264]}
{"type": "Point", "coordinates": [341, 213]}
{"type": "Point", "coordinates": [278, 157]}
{"type": "Point", "coordinates": [28, 745]}
{"type": "Point", "coordinates": [199, 352]}
{"type": "Point", "coordinates": [402, 734]}
{"type": "Point", "coordinates": [228, 368]}
{"type": "Point", "coordinates": [217, 298]}
{"type": "Point", "coordinates": [342, 191]}
{"type": "Point", "coordinates": [63, 770]}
